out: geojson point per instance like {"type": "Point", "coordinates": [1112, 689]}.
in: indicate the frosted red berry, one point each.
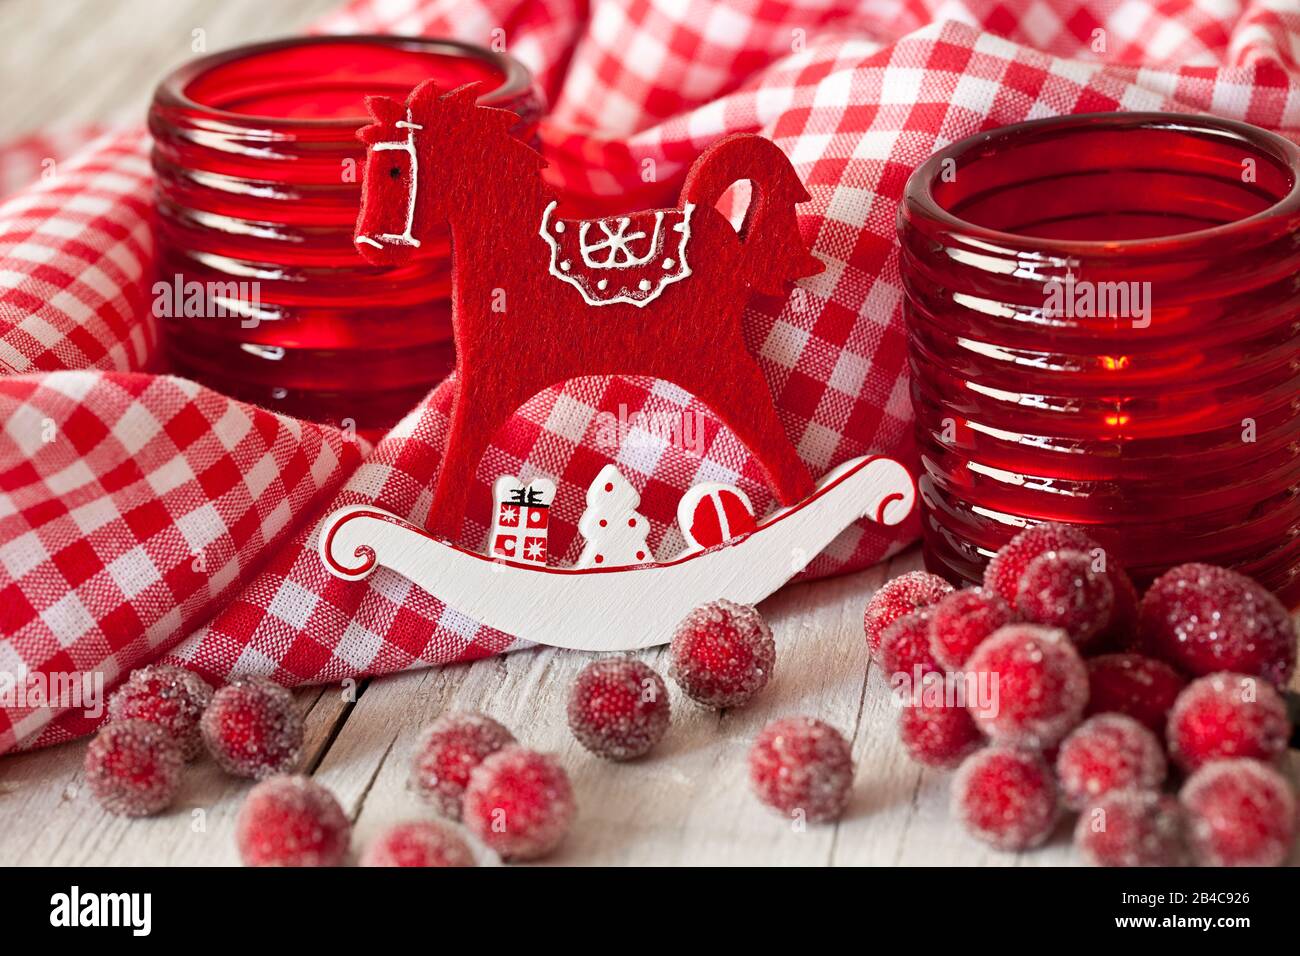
{"type": "Point", "coordinates": [134, 768]}
{"type": "Point", "coordinates": [291, 821]}
{"type": "Point", "coordinates": [519, 803]}
{"type": "Point", "coordinates": [1061, 589]}
{"type": "Point", "coordinates": [1204, 619]}
{"type": "Point", "coordinates": [1141, 687]}
{"type": "Point", "coordinates": [961, 621]}
{"type": "Point", "coordinates": [171, 697]}
{"type": "Point", "coordinates": [899, 596]}
{"type": "Point", "coordinates": [618, 708]}
{"type": "Point", "coordinates": [1038, 683]}
{"type": "Point", "coordinates": [449, 750]}
{"type": "Point", "coordinates": [722, 654]}
{"type": "Point", "coordinates": [1005, 797]}
{"type": "Point", "coordinates": [938, 735]}
{"type": "Point", "coordinates": [253, 729]}
{"type": "Point", "coordinates": [1003, 572]}
{"type": "Point", "coordinates": [799, 765]}
{"type": "Point", "coordinates": [1106, 753]}
{"type": "Point", "coordinates": [1132, 828]}
{"type": "Point", "coordinates": [1222, 716]}
{"type": "Point", "coordinates": [417, 843]}
{"type": "Point", "coordinates": [1240, 813]}
{"type": "Point", "coordinates": [905, 646]}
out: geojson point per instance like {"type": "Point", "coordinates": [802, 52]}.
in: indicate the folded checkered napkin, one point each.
{"type": "Point", "coordinates": [162, 519]}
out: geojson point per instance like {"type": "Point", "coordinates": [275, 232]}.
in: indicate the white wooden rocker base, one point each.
{"type": "Point", "coordinates": [625, 608]}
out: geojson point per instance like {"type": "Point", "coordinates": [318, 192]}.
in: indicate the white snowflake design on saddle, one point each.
{"type": "Point", "coordinates": [629, 259]}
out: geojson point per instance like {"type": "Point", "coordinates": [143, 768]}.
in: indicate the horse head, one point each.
{"type": "Point", "coordinates": [421, 158]}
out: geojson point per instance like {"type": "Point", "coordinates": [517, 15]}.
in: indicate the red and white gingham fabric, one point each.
{"type": "Point", "coordinates": [142, 516]}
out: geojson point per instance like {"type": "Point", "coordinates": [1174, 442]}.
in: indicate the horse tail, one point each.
{"type": "Point", "coordinates": [777, 253]}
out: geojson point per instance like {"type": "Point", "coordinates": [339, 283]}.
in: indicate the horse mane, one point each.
{"type": "Point", "coordinates": [428, 105]}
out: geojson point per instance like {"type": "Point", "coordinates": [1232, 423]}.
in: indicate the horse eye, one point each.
{"type": "Point", "coordinates": [395, 172]}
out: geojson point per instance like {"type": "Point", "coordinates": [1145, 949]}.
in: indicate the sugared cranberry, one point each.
{"type": "Point", "coordinates": [618, 708]}
{"type": "Point", "coordinates": [1061, 589]}
{"type": "Point", "coordinates": [1141, 687]}
{"type": "Point", "coordinates": [1204, 619]}
{"type": "Point", "coordinates": [1221, 716]}
{"type": "Point", "coordinates": [253, 729]}
{"type": "Point", "coordinates": [801, 765]}
{"type": "Point", "coordinates": [1106, 753]}
{"type": "Point", "coordinates": [417, 843]}
{"type": "Point", "coordinates": [1132, 828]}
{"type": "Point", "coordinates": [722, 654]}
{"type": "Point", "coordinates": [938, 735]}
{"type": "Point", "coordinates": [291, 821]}
{"type": "Point", "coordinates": [898, 596]}
{"type": "Point", "coordinates": [1038, 682]}
{"type": "Point", "coordinates": [1240, 813]}
{"type": "Point", "coordinates": [134, 767]}
{"type": "Point", "coordinates": [961, 621]}
{"type": "Point", "coordinates": [1005, 797]}
{"type": "Point", "coordinates": [905, 646]}
{"type": "Point", "coordinates": [1005, 571]}
{"type": "Point", "coordinates": [519, 803]}
{"type": "Point", "coordinates": [449, 750]}
{"type": "Point", "coordinates": [171, 697]}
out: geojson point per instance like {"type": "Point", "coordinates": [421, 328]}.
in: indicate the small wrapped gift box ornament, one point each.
{"type": "Point", "coordinates": [521, 518]}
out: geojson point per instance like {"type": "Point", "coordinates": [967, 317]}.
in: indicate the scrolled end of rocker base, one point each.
{"type": "Point", "coordinates": [344, 554]}
{"type": "Point", "coordinates": [896, 505]}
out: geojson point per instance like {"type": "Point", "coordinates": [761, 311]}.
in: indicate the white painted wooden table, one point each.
{"type": "Point", "coordinates": [687, 803]}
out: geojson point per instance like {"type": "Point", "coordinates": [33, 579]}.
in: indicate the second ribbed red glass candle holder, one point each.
{"type": "Point", "coordinates": [258, 175]}
{"type": "Point", "coordinates": [1104, 325]}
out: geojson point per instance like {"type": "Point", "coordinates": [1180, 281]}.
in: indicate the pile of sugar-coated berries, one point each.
{"type": "Point", "coordinates": [1054, 687]}
{"type": "Point", "coordinates": [468, 767]}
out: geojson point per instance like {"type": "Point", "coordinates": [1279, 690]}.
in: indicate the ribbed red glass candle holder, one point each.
{"type": "Point", "coordinates": [1104, 324]}
{"type": "Point", "coordinates": [258, 176]}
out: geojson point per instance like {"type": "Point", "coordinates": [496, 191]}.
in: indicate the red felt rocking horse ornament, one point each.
{"type": "Point", "coordinates": [538, 300]}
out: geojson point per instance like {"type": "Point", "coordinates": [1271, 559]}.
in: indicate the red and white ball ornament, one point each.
{"type": "Point", "coordinates": [712, 513]}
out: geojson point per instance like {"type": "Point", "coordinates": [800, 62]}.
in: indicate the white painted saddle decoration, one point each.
{"type": "Point", "coordinates": [628, 259]}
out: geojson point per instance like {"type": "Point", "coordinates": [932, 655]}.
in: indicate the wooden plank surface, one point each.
{"type": "Point", "coordinates": [688, 802]}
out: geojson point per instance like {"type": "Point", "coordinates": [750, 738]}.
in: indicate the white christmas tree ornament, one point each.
{"type": "Point", "coordinates": [614, 530]}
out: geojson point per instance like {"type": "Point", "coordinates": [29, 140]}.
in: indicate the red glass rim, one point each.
{"type": "Point", "coordinates": [1283, 216]}
{"type": "Point", "coordinates": [173, 91]}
